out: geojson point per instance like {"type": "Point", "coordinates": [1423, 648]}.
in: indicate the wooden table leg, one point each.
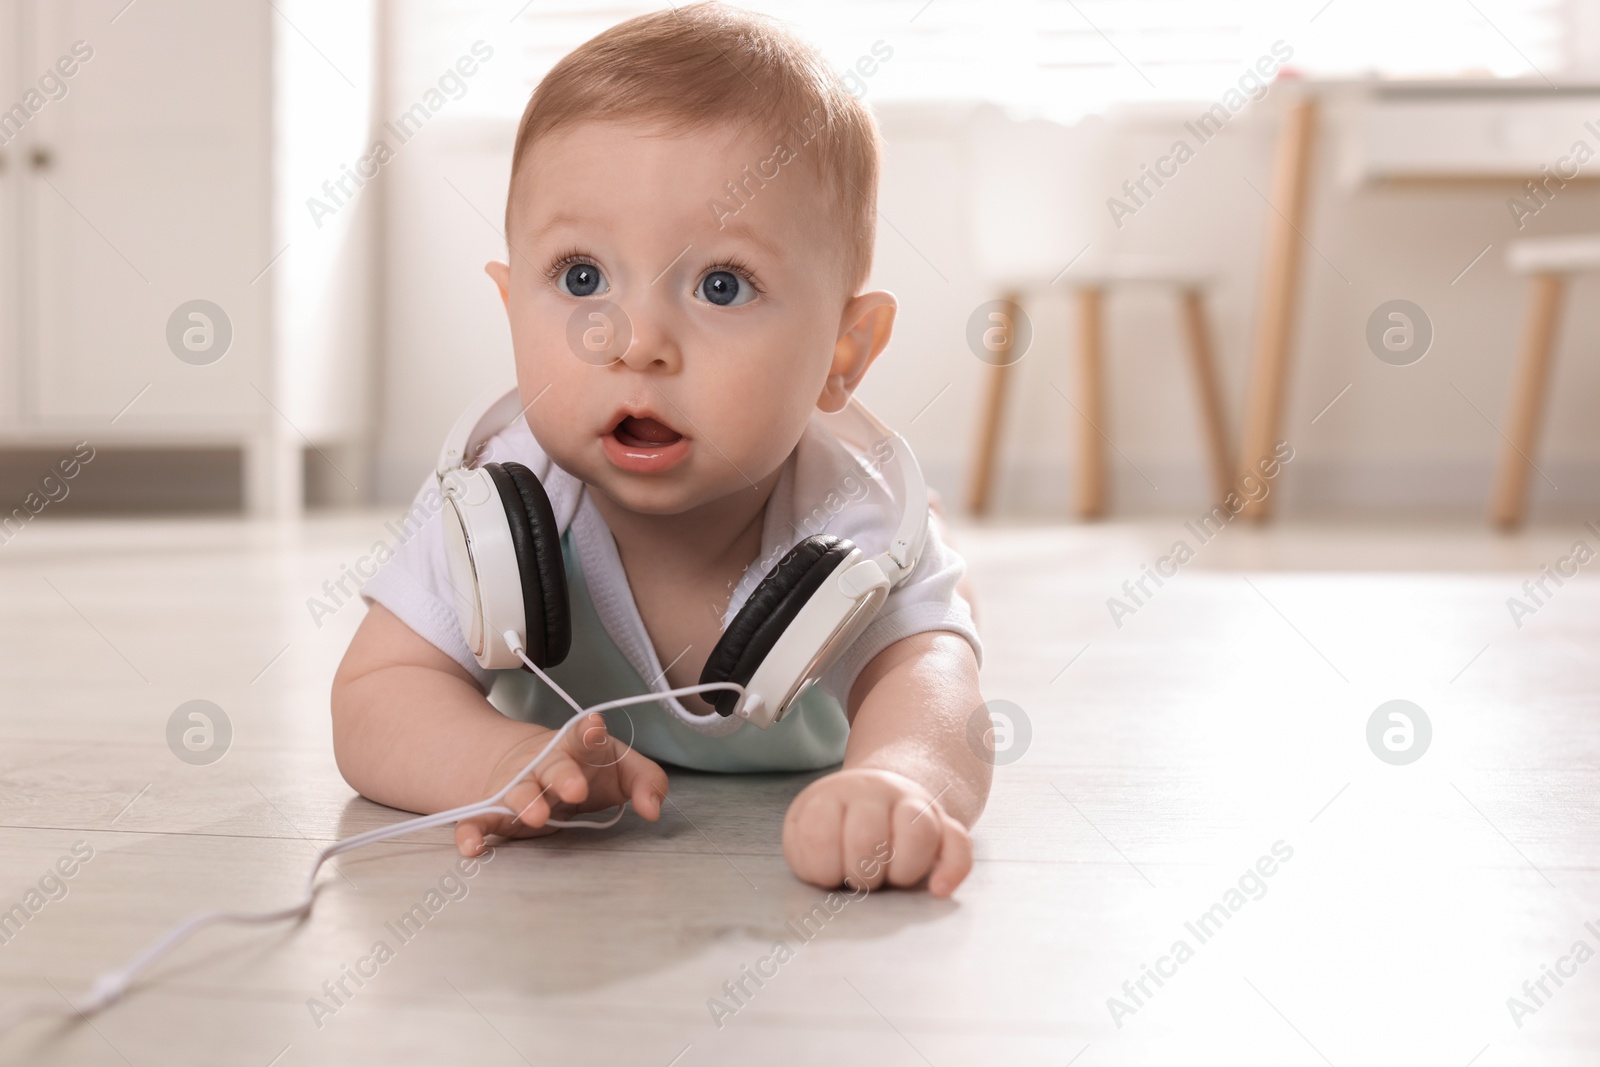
{"type": "Point", "coordinates": [1280, 275]}
{"type": "Point", "coordinates": [1091, 405]}
{"type": "Point", "coordinates": [1524, 419]}
{"type": "Point", "coordinates": [991, 417]}
{"type": "Point", "coordinates": [1213, 421]}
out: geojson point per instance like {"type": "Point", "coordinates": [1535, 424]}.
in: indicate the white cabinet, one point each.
{"type": "Point", "coordinates": [140, 150]}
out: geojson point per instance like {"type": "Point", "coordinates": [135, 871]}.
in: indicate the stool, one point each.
{"type": "Point", "coordinates": [1551, 261]}
{"type": "Point", "coordinates": [1090, 288]}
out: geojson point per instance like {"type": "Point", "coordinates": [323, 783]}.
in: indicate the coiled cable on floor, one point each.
{"type": "Point", "coordinates": [111, 985]}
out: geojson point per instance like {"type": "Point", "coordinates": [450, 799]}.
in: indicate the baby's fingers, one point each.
{"type": "Point", "coordinates": [564, 773]}
{"type": "Point", "coordinates": [472, 834]}
{"type": "Point", "coordinates": [955, 858]}
{"type": "Point", "coordinates": [644, 782]}
{"type": "Point", "coordinates": [865, 836]}
{"type": "Point", "coordinates": [469, 836]}
{"type": "Point", "coordinates": [917, 833]}
{"type": "Point", "coordinates": [590, 745]}
{"type": "Point", "coordinates": [812, 833]}
{"type": "Point", "coordinates": [530, 801]}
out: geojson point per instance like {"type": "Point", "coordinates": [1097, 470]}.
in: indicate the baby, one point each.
{"type": "Point", "coordinates": [700, 182]}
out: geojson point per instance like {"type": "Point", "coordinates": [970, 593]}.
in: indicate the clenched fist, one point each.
{"type": "Point", "coordinates": [862, 827]}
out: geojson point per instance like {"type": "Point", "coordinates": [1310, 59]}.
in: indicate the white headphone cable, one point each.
{"type": "Point", "coordinates": [111, 985]}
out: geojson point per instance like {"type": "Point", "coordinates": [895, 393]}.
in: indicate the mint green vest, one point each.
{"type": "Point", "coordinates": [810, 737]}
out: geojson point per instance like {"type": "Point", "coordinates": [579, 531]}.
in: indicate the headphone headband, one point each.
{"type": "Point", "coordinates": [486, 416]}
{"type": "Point", "coordinates": [857, 426]}
{"type": "Point", "coordinates": [853, 424]}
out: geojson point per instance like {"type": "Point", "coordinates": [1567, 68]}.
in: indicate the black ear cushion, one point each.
{"type": "Point", "coordinates": [538, 546]}
{"type": "Point", "coordinates": [768, 612]}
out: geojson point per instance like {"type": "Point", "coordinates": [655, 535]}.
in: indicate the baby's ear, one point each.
{"type": "Point", "coordinates": [864, 330]}
{"type": "Point", "coordinates": [501, 273]}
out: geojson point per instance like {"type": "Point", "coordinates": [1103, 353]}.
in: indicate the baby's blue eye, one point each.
{"type": "Point", "coordinates": [582, 279]}
{"type": "Point", "coordinates": [726, 289]}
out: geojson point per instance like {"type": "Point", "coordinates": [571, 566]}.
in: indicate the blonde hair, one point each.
{"type": "Point", "coordinates": [707, 65]}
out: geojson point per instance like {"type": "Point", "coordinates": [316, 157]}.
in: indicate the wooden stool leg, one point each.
{"type": "Point", "coordinates": [1214, 422]}
{"type": "Point", "coordinates": [1280, 275]}
{"type": "Point", "coordinates": [991, 417]}
{"type": "Point", "coordinates": [1525, 418]}
{"type": "Point", "coordinates": [1091, 400]}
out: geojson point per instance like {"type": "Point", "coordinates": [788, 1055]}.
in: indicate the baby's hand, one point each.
{"type": "Point", "coordinates": [589, 771]}
{"type": "Point", "coordinates": [862, 826]}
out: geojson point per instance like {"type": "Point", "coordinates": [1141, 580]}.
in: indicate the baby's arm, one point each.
{"type": "Point", "coordinates": [912, 782]}
{"type": "Point", "coordinates": [412, 730]}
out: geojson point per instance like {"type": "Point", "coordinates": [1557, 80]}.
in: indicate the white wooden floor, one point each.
{"type": "Point", "coordinates": [1226, 716]}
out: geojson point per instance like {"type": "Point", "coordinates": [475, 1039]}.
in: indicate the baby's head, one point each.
{"type": "Point", "coordinates": [690, 221]}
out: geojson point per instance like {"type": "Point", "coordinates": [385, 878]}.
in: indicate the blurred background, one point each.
{"type": "Point", "coordinates": [212, 273]}
{"type": "Point", "coordinates": [1140, 246]}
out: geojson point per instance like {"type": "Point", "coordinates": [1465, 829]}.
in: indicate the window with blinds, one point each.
{"type": "Point", "coordinates": [1058, 58]}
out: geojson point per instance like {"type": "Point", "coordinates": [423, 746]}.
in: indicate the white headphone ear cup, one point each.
{"type": "Point", "coordinates": [771, 607]}
{"type": "Point", "coordinates": [803, 615]}
{"type": "Point", "coordinates": [481, 557]}
{"type": "Point", "coordinates": [828, 623]}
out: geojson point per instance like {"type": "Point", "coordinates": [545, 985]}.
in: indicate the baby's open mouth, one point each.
{"type": "Point", "coordinates": [644, 433]}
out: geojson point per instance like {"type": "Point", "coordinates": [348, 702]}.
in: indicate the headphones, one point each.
{"type": "Point", "coordinates": [503, 547]}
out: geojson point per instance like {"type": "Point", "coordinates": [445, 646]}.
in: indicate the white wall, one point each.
{"type": "Point", "coordinates": [322, 275]}
{"type": "Point", "coordinates": [1401, 440]}
{"type": "Point", "coordinates": [445, 332]}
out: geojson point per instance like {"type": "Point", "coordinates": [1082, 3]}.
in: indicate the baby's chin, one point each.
{"type": "Point", "coordinates": [651, 494]}
{"type": "Point", "coordinates": [666, 493]}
